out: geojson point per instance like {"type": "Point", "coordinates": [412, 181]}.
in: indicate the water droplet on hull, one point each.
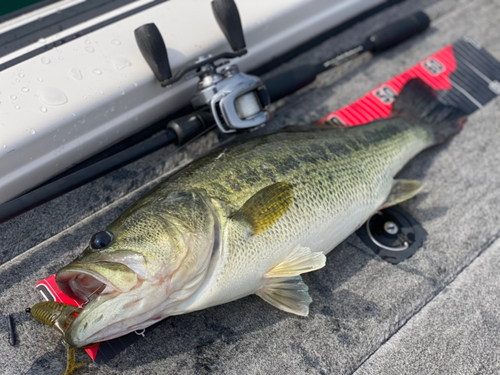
{"type": "Point", "coordinates": [52, 96]}
{"type": "Point", "coordinates": [120, 63]}
{"type": "Point", "coordinates": [76, 74]}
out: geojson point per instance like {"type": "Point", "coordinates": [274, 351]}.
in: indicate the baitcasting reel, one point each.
{"type": "Point", "coordinates": [233, 100]}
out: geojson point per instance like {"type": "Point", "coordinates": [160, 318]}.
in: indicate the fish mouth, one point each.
{"type": "Point", "coordinates": [77, 338]}
{"type": "Point", "coordinates": [85, 281]}
{"type": "Point", "coordinates": [111, 314]}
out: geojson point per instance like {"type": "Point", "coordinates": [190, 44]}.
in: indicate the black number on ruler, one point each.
{"type": "Point", "coordinates": [385, 94]}
{"type": "Point", "coordinates": [433, 66]}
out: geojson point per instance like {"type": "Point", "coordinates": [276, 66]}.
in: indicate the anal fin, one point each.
{"type": "Point", "coordinates": [300, 260]}
{"type": "Point", "coordinates": [402, 190]}
{"type": "Point", "coordinates": [289, 294]}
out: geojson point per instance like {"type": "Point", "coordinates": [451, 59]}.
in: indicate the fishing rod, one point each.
{"type": "Point", "coordinates": [294, 79]}
{"type": "Point", "coordinates": [225, 98]}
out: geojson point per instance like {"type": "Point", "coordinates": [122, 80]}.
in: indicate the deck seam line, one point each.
{"type": "Point", "coordinates": [404, 321]}
{"type": "Point", "coordinates": [80, 223]}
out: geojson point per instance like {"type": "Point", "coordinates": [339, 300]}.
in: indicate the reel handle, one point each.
{"type": "Point", "coordinates": [227, 16]}
{"type": "Point", "coordinates": [153, 49]}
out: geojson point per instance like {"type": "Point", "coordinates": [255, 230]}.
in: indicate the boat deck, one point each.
{"type": "Point", "coordinates": [435, 313]}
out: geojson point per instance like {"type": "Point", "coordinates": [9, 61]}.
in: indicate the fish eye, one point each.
{"type": "Point", "coordinates": [101, 240]}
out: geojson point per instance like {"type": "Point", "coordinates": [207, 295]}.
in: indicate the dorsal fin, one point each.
{"type": "Point", "coordinates": [265, 207]}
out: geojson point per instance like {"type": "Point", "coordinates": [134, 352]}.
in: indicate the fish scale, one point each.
{"type": "Point", "coordinates": [250, 218]}
{"type": "Point", "coordinates": [321, 158]}
{"type": "Point", "coordinates": [339, 176]}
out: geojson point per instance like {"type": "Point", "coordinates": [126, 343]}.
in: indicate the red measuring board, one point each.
{"type": "Point", "coordinates": [434, 70]}
{"type": "Point", "coordinates": [464, 74]}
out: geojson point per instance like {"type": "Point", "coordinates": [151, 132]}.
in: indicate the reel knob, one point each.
{"type": "Point", "coordinates": [152, 46]}
{"type": "Point", "coordinates": [227, 16]}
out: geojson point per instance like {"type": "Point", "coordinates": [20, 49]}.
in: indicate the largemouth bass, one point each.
{"type": "Point", "coordinates": [249, 219]}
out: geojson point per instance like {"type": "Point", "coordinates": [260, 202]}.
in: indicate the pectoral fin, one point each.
{"type": "Point", "coordinates": [300, 260]}
{"type": "Point", "coordinates": [289, 294]}
{"type": "Point", "coordinates": [265, 207]}
{"type": "Point", "coordinates": [402, 190]}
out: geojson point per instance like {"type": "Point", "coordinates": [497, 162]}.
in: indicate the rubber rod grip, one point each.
{"type": "Point", "coordinates": [153, 49]}
{"type": "Point", "coordinates": [227, 16]}
{"type": "Point", "coordinates": [188, 127]}
{"type": "Point", "coordinates": [399, 31]}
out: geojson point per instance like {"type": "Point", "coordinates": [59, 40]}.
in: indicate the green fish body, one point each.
{"type": "Point", "coordinates": [250, 219]}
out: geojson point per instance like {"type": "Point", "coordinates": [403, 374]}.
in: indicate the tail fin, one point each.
{"type": "Point", "coordinates": [417, 102]}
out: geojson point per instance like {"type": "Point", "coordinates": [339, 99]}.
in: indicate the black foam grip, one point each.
{"type": "Point", "coordinates": [399, 31]}
{"type": "Point", "coordinates": [153, 49]}
{"type": "Point", "coordinates": [288, 82]}
{"type": "Point", "coordinates": [227, 16]}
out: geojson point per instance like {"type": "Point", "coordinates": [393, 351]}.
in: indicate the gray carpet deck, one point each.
{"type": "Point", "coordinates": [434, 313]}
{"type": "Point", "coordinates": [456, 333]}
